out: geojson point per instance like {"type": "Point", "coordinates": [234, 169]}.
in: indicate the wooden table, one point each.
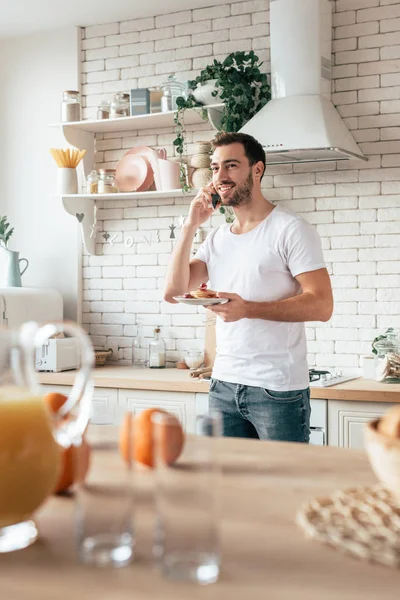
{"type": "Point", "coordinates": [265, 555]}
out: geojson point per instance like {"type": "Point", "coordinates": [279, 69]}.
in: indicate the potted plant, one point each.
{"type": "Point", "coordinates": [12, 273]}
{"type": "Point", "coordinates": [5, 231]}
{"type": "Point", "coordinates": [237, 82]}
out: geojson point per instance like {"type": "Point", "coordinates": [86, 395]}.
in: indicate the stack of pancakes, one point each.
{"type": "Point", "coordinates": [199, 293]}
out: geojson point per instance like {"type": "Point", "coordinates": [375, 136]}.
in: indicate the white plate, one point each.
{"type": "Point", "coordinates": [201, 301]}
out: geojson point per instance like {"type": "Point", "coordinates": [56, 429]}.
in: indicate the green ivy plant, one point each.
{"type": "Point", "coordinates": [179, 142]}
{"type": "Point", "coordinates": [242, 88]}
{"type": "Point", "coordinates": [5, 231]}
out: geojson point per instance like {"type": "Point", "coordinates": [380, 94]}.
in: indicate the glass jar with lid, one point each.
{"type": "Point", "coordinates": [71, 106]}
{"type": "Point", "coordinates": [388, 357]}
{"type": "Point", "coordinates": [171, 89]}
{"type": "Point", "coordinates": [106, 183]}
{"type": "Point", "coordinates": [103, 110]}
{"type": "Point", "coordinates": [92, 182]}
{"type": "Point", "coordinates": [120, 106]}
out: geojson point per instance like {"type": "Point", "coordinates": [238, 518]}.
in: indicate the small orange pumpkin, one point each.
{"type": "Point", "coordinates": [75, 460]}
{"type": "Point", "coordinates": [138, 433]}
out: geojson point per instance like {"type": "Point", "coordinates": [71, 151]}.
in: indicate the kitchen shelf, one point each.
{"type": "Point", "coordinates": [81, 134]}
{"type": "Point", "coordinates": [83, 206]}
{"type": "Point", "coordinates": [153, 121]}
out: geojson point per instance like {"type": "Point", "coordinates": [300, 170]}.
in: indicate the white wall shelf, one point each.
{"type": "Point", "coordinates": [83, 206]}
{"type": "Point", "coordinates": [152, 121]}
{"type": "Point", "coordinates": [81, 134]}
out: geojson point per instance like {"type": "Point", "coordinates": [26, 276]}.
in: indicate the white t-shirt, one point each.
{"type": "Point", "coordinates": [261, 266]}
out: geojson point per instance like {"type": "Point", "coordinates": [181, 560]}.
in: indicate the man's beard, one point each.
{"type": "Point", "coordinates": [242, 193]}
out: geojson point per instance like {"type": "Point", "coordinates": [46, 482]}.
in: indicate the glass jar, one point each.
{"type": "Point", "coordinates": [103, 110]}
{"type": "Point", "coordinates": [388, 358]}
{"type": "Point", "coordinates": [171, 89]}
{"type": "Point", "coordinates": [92, 182]}
{"type": "Point", "coordinates": [106, 183]}
{"type": "Point", "coordinates": [71, 106]}
{"type": "Point", "coordinates": [194, 358]}
{"type": "Point", "coordinates": [157, 351]}
{"type": "Point", "coordinates": [120, 106]}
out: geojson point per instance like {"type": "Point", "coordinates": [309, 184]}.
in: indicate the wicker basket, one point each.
{"type": "Point", "coordinates": [101, 357]}
{"type": "Point", "coordinates": [201, 177]}
{"type": "Point", "coordinates": [200, 161]}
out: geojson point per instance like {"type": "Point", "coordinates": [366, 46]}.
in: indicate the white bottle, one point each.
{"type": "Point", "coordinates": [157, 351]}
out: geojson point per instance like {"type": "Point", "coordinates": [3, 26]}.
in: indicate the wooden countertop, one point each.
{"type": "Point", "coordinates": [179, 380]}
{"type": "Point", "coordinates": [264, 553]}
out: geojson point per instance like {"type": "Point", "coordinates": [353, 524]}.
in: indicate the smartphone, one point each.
{"type": "Point", "coordinates": [215, 198]}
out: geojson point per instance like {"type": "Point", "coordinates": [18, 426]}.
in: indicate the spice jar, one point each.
{"type": "Point", "coordinates": [70, 106]}
{"type": "Point", "coordinates": [120, 106]}
{"type": "Point", "coordinates": [172, 89]}
{"type": "Point", "coordinates": [106, 184]}
{"type": "Point", "coordinates": [388, 358]}
{"type": "Point", "coordinates": [93, 182]}
{"type": "Point", "coordinates": [103, 110]}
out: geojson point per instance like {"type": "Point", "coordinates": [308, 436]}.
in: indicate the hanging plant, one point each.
{"type": "Point", "coordinates": [240, 86]}
{"type": "Point", "coordinates": [179, 142]}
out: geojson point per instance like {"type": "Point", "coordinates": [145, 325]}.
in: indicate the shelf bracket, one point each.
{"type": "Point", "coordinates": [215, 116]}
{"type": "Point", "coordinates": [82, 140]}
{"type": "Point", "coordinates": [83, 209]}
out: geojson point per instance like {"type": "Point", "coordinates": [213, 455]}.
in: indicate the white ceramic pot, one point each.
{"type": "Point", "coordinates": [169, 174]}
{"type": "Point", "coordinates": [67, 181]}
{"type": "Point", "coordinates": [203, 93]}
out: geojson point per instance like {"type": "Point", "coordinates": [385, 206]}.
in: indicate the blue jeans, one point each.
{"type": "Point", "coordinates": [253, 412]}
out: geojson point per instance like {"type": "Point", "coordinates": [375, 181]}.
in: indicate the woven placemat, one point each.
{"type": "Point", "coordinates": [364, 522]}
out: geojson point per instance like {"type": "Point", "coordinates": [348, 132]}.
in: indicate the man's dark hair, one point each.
{"type": "Point", "coordinates": [252, 149]}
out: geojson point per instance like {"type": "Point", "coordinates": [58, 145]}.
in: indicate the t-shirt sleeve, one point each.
{"type": "Point", "coordinates": [203, 252]}
{"type": "Point", "coordinates": [302, 248]}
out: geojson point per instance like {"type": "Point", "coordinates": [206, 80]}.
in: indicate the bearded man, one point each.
{"type": "Point", "coordinates": [269, 264]}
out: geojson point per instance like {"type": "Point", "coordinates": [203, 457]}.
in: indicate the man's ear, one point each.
{"type": "Point", "coordinates": [259, 169]}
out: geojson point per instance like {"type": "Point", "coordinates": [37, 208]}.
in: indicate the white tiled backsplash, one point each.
{"type": "Point", "coordinates": [355, 206]}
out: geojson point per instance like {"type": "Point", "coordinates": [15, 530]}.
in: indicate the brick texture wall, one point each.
{"type": "Point", "coordinates": [354, 206]}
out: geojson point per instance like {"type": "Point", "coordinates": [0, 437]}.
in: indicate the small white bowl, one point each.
{"type": "Point", "coordinates": [384, 456]}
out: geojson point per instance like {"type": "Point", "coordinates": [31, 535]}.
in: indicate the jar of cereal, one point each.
{"type": "Point", "coordinates": [106, 184]}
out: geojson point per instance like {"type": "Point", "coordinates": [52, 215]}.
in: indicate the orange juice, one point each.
{"type": "Point", "coordinates": [29, 455]}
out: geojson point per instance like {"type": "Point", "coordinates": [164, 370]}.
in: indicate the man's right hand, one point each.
{"type": "Point", "coordinates": [201, 207]}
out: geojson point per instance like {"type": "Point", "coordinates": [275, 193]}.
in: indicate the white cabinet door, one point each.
{"type": "Point", "coordinates": [104, 407]}
{"type": "Point", "coordinates": [181, 404]}
{"type": "Point", "coordinates": [346, 421]}
{"type": "Point", "coordinates": [104, 403]}
{"type": "Point", "coordinates": [202, 404]}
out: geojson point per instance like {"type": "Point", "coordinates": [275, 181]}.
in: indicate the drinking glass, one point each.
{"type": "Point", "coordinates": [104, 500]}
{"type": "Point", "coordinates": [186, 537]}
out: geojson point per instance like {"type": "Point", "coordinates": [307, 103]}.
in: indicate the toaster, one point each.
{"type": "Point", "coordinates": [58, 354]}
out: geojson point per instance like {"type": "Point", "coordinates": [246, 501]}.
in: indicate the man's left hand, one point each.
{"type": "Point", "coordinates": [231, 311]}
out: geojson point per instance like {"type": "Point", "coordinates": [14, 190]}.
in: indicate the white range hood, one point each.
{"type": "Point", "coordinates": [300, 123]}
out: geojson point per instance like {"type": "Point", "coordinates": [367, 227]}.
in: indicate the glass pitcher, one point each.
{"type": "Point", "coordinates": [31, 437]}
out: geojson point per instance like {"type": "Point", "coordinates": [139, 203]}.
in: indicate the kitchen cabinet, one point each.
{"type": "Point", "coordinates": [104, 403]}
{"type": "Point", "coordinates": [181, 404]}
{"type": "Point", "coordinates": [333, 422]}
{"type": "Point", "coordinates": [346, 421]}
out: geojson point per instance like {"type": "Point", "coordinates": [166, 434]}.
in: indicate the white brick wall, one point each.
{"type": "Point", "coordinates": [354, 206]}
